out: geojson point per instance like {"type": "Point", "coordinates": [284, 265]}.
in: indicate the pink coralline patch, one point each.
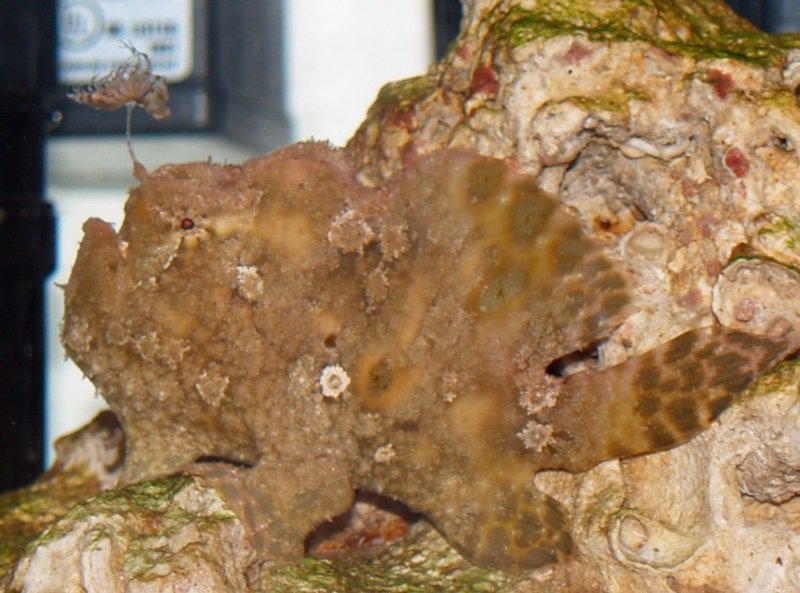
{"type": "Point", "coordinates": [464, 51]}
{"type": "Point", "coordinates": [737, 162]}
{"type": "Point", "coordinates": [744, 310]}
{"type": "Point", "coordinates": [577, 52]}
{"type": "Point", "coordinates": [403, 119]}
{"type": "Point", "coordinates": [547, 160]}
{"type": "Point", "coordinates": [409, 153]}
{"type": "Point", "coordinates": [707, 224]}
{"type": "Point", "coordinates": [685, 235]}
{"type": "Point", "coordinates": [689, 188]}
{"type": "Point", "coordinates": [484, 80]}
{"type": "Point", "coordinates": [721, 82]}
{"type": "Point", "coordinates": [692, 298]}
{"type": "Point", "coordinates": [713, 268]}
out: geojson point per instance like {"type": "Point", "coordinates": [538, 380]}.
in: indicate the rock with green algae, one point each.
{"type": "Point", "coordinates": [498, 37]}
{"type": "Point", "coordinates": [87, 461]}
{"type": "Point", "coordinates": [421, 563]}
{"type": "Point", "coordinates": [153, 536]}
{"type": "Point", "coordinates": [672, 129]}
{"type": "Point", "coordinates": [65, 533]}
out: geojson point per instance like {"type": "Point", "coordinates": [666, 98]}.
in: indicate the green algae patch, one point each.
{"type": "Point", "coordinates": [784, 100]}
{"type": "Point", "coordinates": [141, 522]}
{"type": "Point", "coordinates": [154, 501]}
{"type": "Point", "coordinates": [405, 92]}
{"type": "Point", "coordinates": [397, 98]}
{"type": "Point", "coordinates": [614, 101]}
{"type": "Point", "coordinates": [26, 512]}
{"type": "Point", "coordinates": [157, 497]}
{"type": "Point", "coordinates": [785, 375]}
{"type": "Point", "coordinates": [149, 497]}
{"type": "Point", "coordinates": [700, 30]}
{"type": "Point", "coordinates": [780, 234]}
{"type": "Point", "coordinates": [777, 224]}
{"type": "Point", "coordinates": [420, 563]}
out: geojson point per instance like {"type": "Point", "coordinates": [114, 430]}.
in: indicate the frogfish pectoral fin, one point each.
{"type": "Point", "coordinates": [659, 399]}
{"type": "Point", "coordinates": [513, 529]}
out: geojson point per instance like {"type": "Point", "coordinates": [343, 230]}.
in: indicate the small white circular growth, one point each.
{"type": "Point", "coordinates": [333, 381]}
{"type": "Point", "coordinates": [249, 283]}
{"type": "Point", "coordinates": [212, 385]}
{"type": "Point", "coordinates": [384, 454]}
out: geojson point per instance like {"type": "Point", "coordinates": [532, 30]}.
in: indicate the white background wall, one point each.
{"type": "Point", "coordinates": [339, 53]}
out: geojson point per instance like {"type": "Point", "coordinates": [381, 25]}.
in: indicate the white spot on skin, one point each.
{"type": "Point", "coordinates": [249, 283]}
{"type": "Point", "coordinates": [384, 454]}
{"type": "Point", "coordinates": [212, 385]}
{"type": "Point", "coordinates": [333, 381]}
{"type": "Point", "coordinates": [535, 436]}
{"type": "Point", "coordinates": [449, 396]}
{"type": "Point", "coordinates": [449, 386]}
{"type": "Point", "coordinates": [350, 233]}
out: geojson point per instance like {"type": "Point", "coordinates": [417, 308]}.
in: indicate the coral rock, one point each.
{"type": "Point", "coordinates": [168, 535]}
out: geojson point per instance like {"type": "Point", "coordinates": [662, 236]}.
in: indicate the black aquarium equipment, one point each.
{"type": "Point", "coordinates": [773, 16]}
{"type": "Point", "coordinates": [223, 62]}
{"type": "Point", "coordinates": [27, 249]}
{"type": "Point", "coordinates": [447, 22]}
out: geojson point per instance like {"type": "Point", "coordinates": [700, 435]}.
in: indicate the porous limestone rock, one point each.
{"type": "Point", "coordinates": [173, 534]}
{"type": "Point", "coordinates": [87, 461]}
{"type": "Point", "coordinates": [671, 129]}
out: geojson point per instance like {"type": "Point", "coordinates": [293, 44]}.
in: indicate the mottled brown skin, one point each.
{"type": "Point", "coordinates": [207, 321]}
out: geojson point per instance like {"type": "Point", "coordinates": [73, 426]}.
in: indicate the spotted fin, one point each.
{"type": "Point", "coordinates": [541, 261]}
{"type": "Point", "coordinates": [660, 399]}
{"type": "Point", "coordinates": [513, 529]}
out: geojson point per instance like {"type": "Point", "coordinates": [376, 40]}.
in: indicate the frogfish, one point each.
{"type": "Point", "coordinates": [294, 336]}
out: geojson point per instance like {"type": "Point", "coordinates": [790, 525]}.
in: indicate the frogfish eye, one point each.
{"type": "Point", "coordinates": [187, 224]}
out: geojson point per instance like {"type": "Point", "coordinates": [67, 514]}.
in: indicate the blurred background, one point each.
{"type": "Point", "coordinates": [245, 76]}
